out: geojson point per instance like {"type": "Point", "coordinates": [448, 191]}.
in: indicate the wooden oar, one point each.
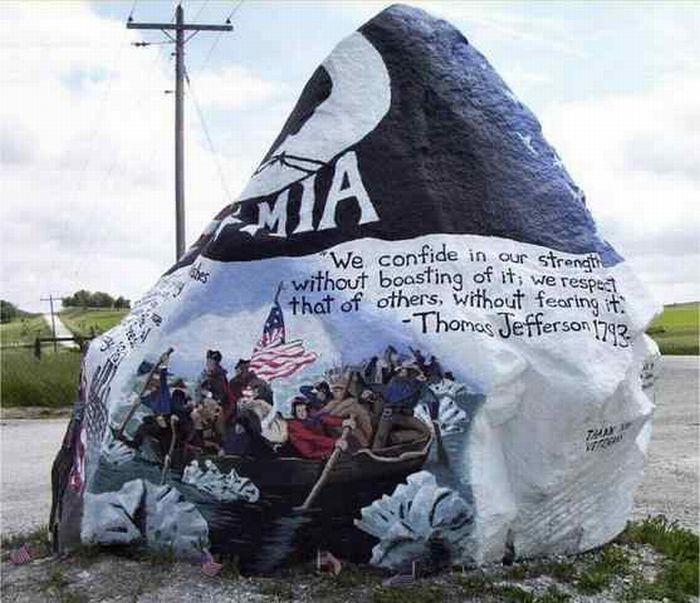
{"type": "Point", "coordinates": [326, 471]}
{"type": "Point", "coordinates": [168, 457]}
{"type": "Point", "coordinates": [164, 358]}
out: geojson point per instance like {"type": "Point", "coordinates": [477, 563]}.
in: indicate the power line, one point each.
{"type": "Point", "coordinates": [97, 122]}
{"type": "Point", "coordinates": [217, 38]}
{"type": "Point", "coordinates": [201, 8]}
{"type": "Point", "coordinates": [131, 12]}
{"type": "Point", "coordinates": [180, 27]}
{"type": "Point", "coordinates": [103, 217]}
{"type": "Point", "coordinates": [135, 102]}
{"type": "Point", "coordinates": [234, 11]}
{"type": "Point", "coordinates": [212, 148]}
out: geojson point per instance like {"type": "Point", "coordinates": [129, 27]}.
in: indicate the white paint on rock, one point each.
{"type": "Point", "coordinates": [361, 92]}
{"type": "Point", "coordinates": [525, 458]}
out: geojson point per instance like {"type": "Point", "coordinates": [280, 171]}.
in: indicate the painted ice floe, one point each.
{"type": "Point", "coordinates": [143, 512]}
{"type": "Point", "coordinates": [413, 518]}
{"type": "Point", "coordinates": [454, 399]}
{"type": "Point", "coordinates": [226, 487]}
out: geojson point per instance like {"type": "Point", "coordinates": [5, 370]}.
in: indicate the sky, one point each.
{"type": "Point", "coordinates": [86, 124]}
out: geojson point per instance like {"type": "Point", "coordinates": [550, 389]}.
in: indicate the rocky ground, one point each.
{"type": "Point", "coordinates": [623, 571]}
{"type": "Point", "coordinates": [652, 561]}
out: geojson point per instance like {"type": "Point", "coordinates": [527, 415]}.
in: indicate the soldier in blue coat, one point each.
{"type": "Point", "coordinates": [406, 389]}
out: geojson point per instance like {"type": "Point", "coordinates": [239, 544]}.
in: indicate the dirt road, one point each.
{"type": "Point", "coordinates": [670, 484]}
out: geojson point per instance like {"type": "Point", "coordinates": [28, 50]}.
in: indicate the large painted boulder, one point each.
{"type": "Point", "coordinates": [404, 339]}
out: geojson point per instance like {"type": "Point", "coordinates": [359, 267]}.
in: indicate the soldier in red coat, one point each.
{"type": "Point", "coordinates": [312, 435]}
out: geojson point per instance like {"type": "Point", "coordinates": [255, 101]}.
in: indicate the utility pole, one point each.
{"type": "Point", "coordinates": [180, 27]}
{"type": "Point", "coordinates": [51, 299]}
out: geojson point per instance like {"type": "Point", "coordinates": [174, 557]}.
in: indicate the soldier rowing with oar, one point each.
{"type": "Point", "coordinates": [154, 394]}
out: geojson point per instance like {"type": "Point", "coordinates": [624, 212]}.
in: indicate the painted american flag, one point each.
{"type": "Point", "coordinates": [210, 567]}
{"type": "Point", "coordinates": [21, 555]}
{"type": "Point", "coordinates": [76, 478]}
{"type": "Point", "coordinates": [273, 356]}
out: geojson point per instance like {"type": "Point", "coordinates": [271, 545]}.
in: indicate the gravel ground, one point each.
{"type": "Point", "coordinates": [670, 487]}
{"type": "Point", "coordinates": [111, 579]}
{"type": "Point", "coordinates": [28, 450]}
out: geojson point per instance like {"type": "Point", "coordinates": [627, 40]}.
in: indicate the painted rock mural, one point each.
{"type": "Point", "coordinates": [405, 340]}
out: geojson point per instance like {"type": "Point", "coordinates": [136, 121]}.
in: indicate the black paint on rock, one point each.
{"type": "Point", "coordinates": [455, 153]}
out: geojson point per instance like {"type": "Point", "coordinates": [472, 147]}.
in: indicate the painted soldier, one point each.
{"type": "Point", "coordinates": [403, 393]}
{"type": "Point", "coordinates": [313, 436]}
{"type": "Point", "coordinates": [344, 405]}
{"type": "Point", "coordinates": [214, 379]}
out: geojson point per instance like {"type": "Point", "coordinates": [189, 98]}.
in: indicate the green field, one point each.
{"type": "Point", "coordinates": [51, 381]}
{"type": "Point", "coordinates": [24, 330]}
{"type": "Point", "coordinates": [83, 321]}
{"type": "Point", "coordinates": [676, 330]}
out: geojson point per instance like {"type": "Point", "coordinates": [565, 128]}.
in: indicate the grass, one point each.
{"type": "Point", "coordinates": [416, 593]}
{"type": "Point", "coordinates": [51, 381]}
{"type": "Point", "coordinates": [513, 594]}
{"type": "Point", "coordinates": [56, 585]}
{"type": "Point", "coordinates": [353, 576]}
{"type": "Point", "coordinates": [276, 588]}
{"type": "Point", "coordinates": [24, 330]}
{"type": "Point", "coordinates": [615, 570]}
{"type": "Point", "coordinates": [231, 569]}
{"type": "Point", "coordinates": [164, 557]}
{"type": "Point", "coordinates": [477, 585]}
{"type": "Point", "coordinates": [676, 331]}
{"type": "Point", "coordinates": [553, 595]}
{"type": "Point", "coordinates": [38, 540]}
{"type": "Point", "coordinates": [679, 575]}
{"type": "Point", "coordinates": [86, 554]}
{"type": "Point", "coordinates": [675, 581]}
{"type": "Point", "coordinates": [56, 580]}
{"type": "Point", "coordinates": [562, 570]}
{"type": "Point", "coordinates": [83, 321]}
{"type": "Point", "coordinates": [611, 563]}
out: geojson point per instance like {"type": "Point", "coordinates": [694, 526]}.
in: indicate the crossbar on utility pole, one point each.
{"type": "Point", "coordinates": [180, 28]}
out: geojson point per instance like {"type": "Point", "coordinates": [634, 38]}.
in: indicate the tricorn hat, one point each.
{"type": "Point", "coordinates": [214, 355]}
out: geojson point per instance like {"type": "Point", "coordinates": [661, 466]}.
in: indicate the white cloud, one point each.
{"type": "Point", "coordinates": [636, 157]}
{"type": "Point", "coordinates": [86, 153]}
{"type": "Point", "coordinates": [232, 88]}
{"type": "Point", "coordinates": [86, 139]}
{"type": "Point", "coordinates": [494, 21]}
{"type": "Point", "coordinates": [489, 21]}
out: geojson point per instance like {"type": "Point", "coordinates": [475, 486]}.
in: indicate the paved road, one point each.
{"type": "Point", "coordinates": [28, 450]}
{"type": "Point", "coordinates": [670, 485]}
{"type": "Point", "coordinates": [61, 331]}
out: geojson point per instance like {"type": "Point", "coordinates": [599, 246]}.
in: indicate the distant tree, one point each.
{"type": "Point", "coordinates": [8, 311]}
{"type": "Point", "coordinates": [83, 298]}
{"type": "Point", "coordinates": [121, 303]}
{"type": "Point", "coordinates": [98, 299]}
